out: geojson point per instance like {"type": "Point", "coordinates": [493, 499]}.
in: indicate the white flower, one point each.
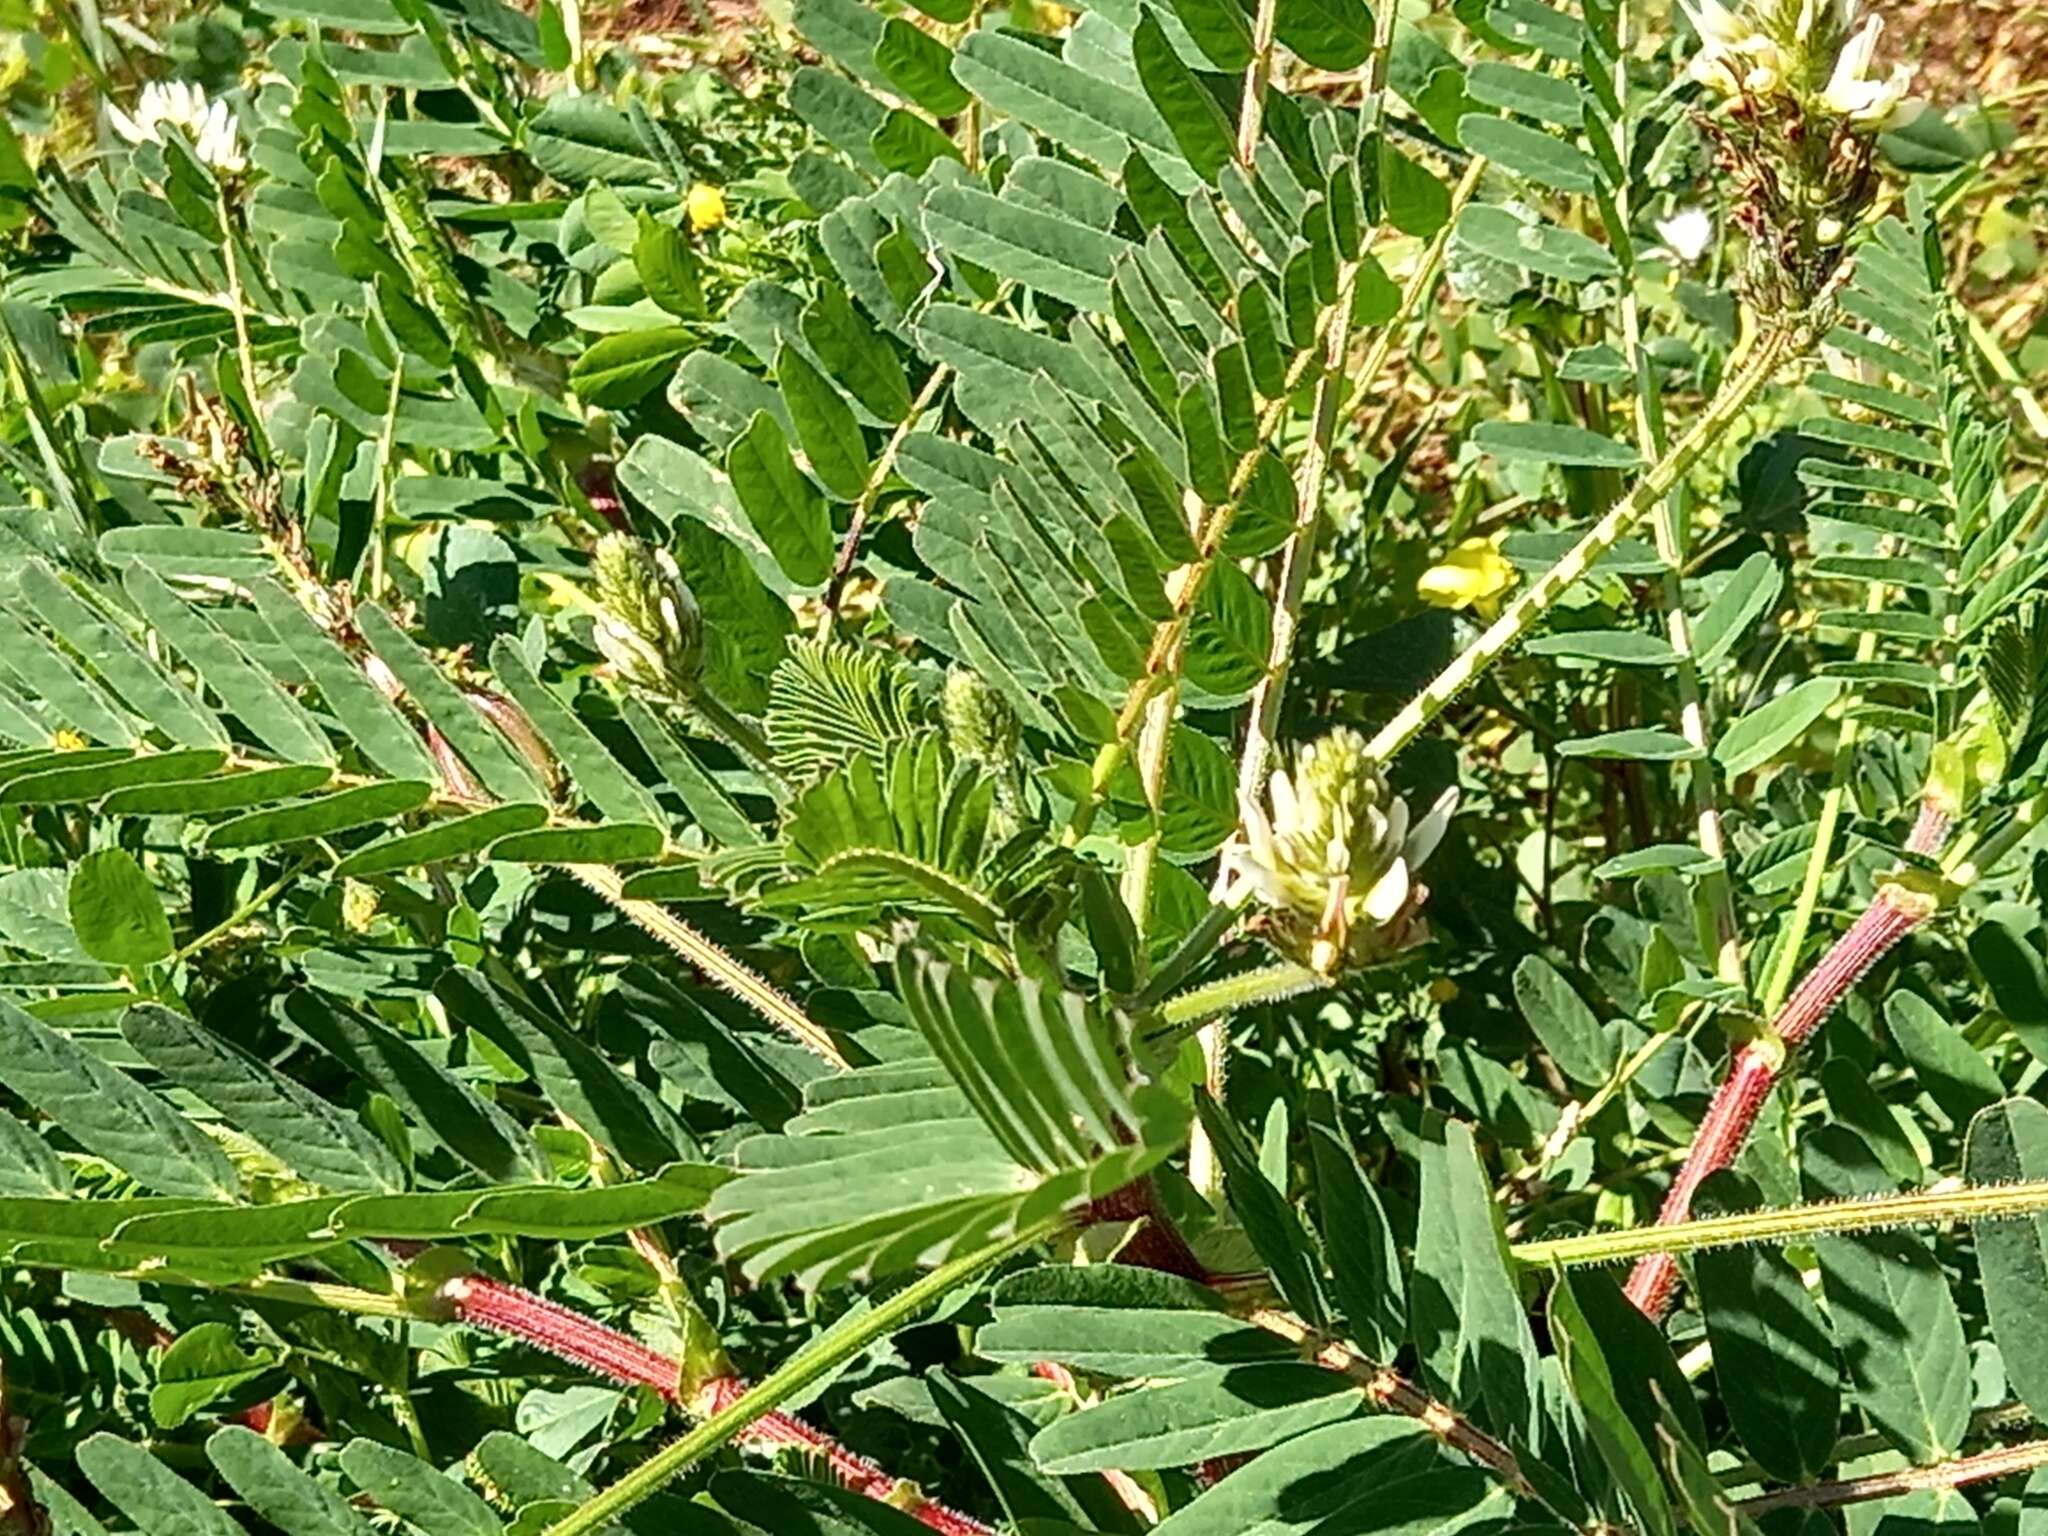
{"type": "Point", "coordinates": [1333, 857]}
{"type": "Point", "coordinates": [1717, 24]}
{"type": "Point", "coordinates": [1851, 93]}
{"type": "Point", "coordinates": [1687, 233]}
{"type": "Point", "coordinates": [209, 127]}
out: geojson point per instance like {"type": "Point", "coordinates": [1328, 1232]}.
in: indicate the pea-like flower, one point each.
{"type": "Point", "coordinates": [705, 206]}
{"type": "Point", "coordinates": [648, 625]}
{"type": "Point", "coordinates": [209, 126]}
{"type": "Point", "coordinates": [1332, 857]}
{"type": "Point", "coordinates": [1868, 103]}
{"type": "Point", "coordinates": [1475, 574]}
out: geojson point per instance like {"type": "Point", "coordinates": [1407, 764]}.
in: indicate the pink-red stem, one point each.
{"type": "Point", "coordinates": [1756, 1067]}
{"type": "Point", "coordinates": [568, 1335]}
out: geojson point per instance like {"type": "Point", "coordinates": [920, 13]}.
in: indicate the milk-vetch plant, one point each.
{"type": "Point", "coordinates": [1012, 773]}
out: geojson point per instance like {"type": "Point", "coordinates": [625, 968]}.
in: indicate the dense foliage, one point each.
{"type": "Point", "coordinates": [1050, 766]}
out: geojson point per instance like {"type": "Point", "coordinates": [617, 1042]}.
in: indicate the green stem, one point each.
{"type": "Point", "coordinates": [1267, 984]}
{"type": "Point", "coordinates": [1778, 344]}
{"type": "Point", "coordinates": [811, 1365]}
{"type": "Point", "coordinates": [1785, 958]}
{"type": "Point", "coordinates": [878, 477]}
{"type": "Point", "coordinates": [1298, 556]}
{"type": "Point", "coordinates": [1984, 1202]}
{"type": "Point", "coordinates": [740, 980]}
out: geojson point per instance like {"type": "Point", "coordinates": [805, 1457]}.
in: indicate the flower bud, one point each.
{"type": "Point", "coordinates": [1970, 760]}
{"type": "Point", "coordinates": [648, 625]}
{"type": "Point", "coordinates": [1332, 857]}
{"type": "Point", "coordinates": [705, 206]}
{"type": "Point", "coordinates": [980, 725]}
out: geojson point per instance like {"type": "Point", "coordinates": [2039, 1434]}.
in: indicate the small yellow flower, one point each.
{"type": "Point", "coordinates": [68, 740]}
{"type": "Point", "coordinates": [706, 207]}
{"type": "Point", "coordinates": [1443, 990]}
{"type": "Point", "coordinates": [1473, 575]}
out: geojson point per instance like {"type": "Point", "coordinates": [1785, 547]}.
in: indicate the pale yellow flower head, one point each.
{"type": "Point", "coordinates": [706, 207]}
{"type": "Point", "coordinates": [1332, 856]}
{"type": "Point", "coordinates": [648, 626]}
{"type": "Point", "coordinates": [1475, 574]}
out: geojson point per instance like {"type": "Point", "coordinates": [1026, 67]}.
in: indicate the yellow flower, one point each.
{"type": "Point", "coordinates": [1473, 575]}
{"type": "Point", "coordinates": [706, 207]}
{"type": "Point", "coordinates": [68, 740]}
{"type": "Point", "coordinates": [1443, 990]}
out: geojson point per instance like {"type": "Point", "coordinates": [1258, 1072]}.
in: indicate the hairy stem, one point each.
{"type": "Point", "coordinates": [1970, 1203]}
{"type": "Point", "coordinates": [1983, 1467]}
{"type": "Point", "coordinates": [1778, 345]}
{"type": "Point", "coordinates": [809, 1366]}
{"type": "Point", "coordinates": [1227, 994]}
{"type": "Point", "coordinates": [878, 477]}
{"type": "Point", "coordinates": [738, 979]}
{"type": "Point", "coordinates": [1389, 1390]}
{"type": "Point", "coordinates": [1756, 1067]}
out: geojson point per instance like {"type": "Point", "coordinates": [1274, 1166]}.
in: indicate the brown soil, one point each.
{"type": "Point", "coordinates": [1968, 49]}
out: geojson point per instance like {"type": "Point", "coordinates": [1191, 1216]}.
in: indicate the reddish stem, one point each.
{"type": "Point", "coordinates": [1755, 1069]}
{"type": "Point", "coordinates": [483, 1302]}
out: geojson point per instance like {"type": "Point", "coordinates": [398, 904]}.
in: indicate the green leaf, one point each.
{"type": "Point", "coordinates": [920, 67]}
{"type": "Point", "coordinates": [1330, 34]}
{"type": "Point", "coordinates": [455, 839]}
{"type": "Point", "coordinates": [154, 1498]}
{"type": "Point", "coordinates": [785, 509]}
{"type": "Point", "coordinates": [1508, 236]}
{"type": "Point", "coordinates": [2002, 949]}
{"type": "Point", "coordinates": [998, 1437]}
{"type": "Point", "coordinates": [1199, 127]}
{"type": "Point", "coordinates": [109, 1113]}
{"type": "Point", "coordinates": [1583, 1050]}
{"type": "Point", "coordinates": [1616, 647]}
{"type": "Point", "coordinates": [201, 1365]}
{"type": "Point", "coordinates": [1034, 247]}
{"type": "Point", "coordinates": [1365, 1263]}
{"type": "Point", "coordinates": [434, 1099]}
{"type": "Point", "coordinates": [615, 793]}
{"type": "Point", "coordinates": [1269, 1219]}
{"type": "Point", "coordinates": [278, 1492]}
{"type": "Point", "coordinates": [1642, 744]}
{"type": "Point", "coordinates": [619, 371]}
{"type": "Point", "coordinates": [416, 1492]}
{"type": "Point", "coordinates": [321, 816]}
{"type": "Point", "coordinates": [907, 144]}
{"type": "Point", "coordinates": [627, 1119]}
{"type": "Point", "coordinates": [825, 426]}
{"type": "Point", "coordinates": [2009, 1142]}
{"type": "Point", "coordinates": [1377, 1474]}
{"type": "Point", "coordinates": [1222, 1413]}
{"type": "Point", "coordinates": [115, 911]}
{"type": "Point", "coordinates": [249, 690]}
{"type": "Point", "coordinates": [1530, 152]}
{"type": "Point", "coordinates": [1759, 736]}
{"type": "Point", "coordinates": [668, 268]}
{"type": "Point", "coordinates": [1617, 1439]}
{"type": "Point", "coordinates": [1948, 1067]}
{"type": "Point", "coordinates": [1554, 442]}
{"type": "Point", "coordinates": [1895, 1322]}
{"type": "Point", "coordinates": [1096, 119]}
{"type": "Point", "coordinates": [1748, 594]}
{"type": "Point", "coordinates": [1774, 1361]}
{"type": "Point", "coordinates": [313, 1138]}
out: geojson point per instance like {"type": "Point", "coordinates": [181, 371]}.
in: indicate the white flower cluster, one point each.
{"type": "Point", "coordinates": [1334, 856]}
{"type": "Point", "coordinates": [1737, 57]}
{"type": "Point", "coordinates": [209, 126]}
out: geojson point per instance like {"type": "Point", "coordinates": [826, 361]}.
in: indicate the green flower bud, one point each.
{"type": "Point", "coordinates": [648, 624]}
{"type": "Point", "coordinates": [1332, 857]}
{"type": "Point", "coordinates": [980, 725]}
